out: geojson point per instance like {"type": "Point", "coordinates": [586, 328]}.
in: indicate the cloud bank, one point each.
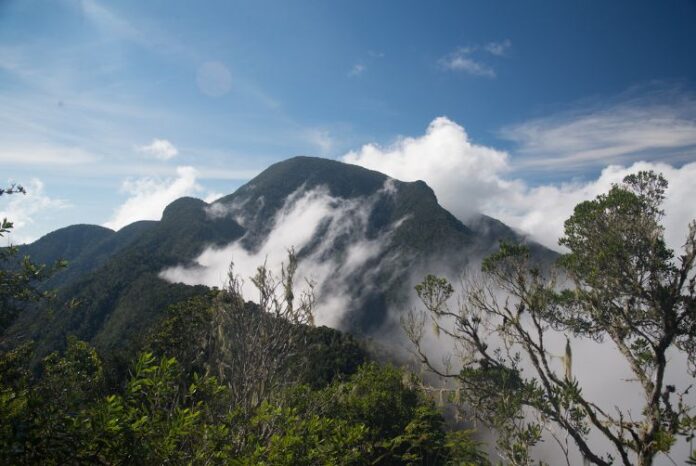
{"type": "Point", "coordinates": [469, 178]}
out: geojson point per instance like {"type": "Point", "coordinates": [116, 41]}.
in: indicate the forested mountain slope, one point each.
{"type": "Point", "coordinates": [371, 237]}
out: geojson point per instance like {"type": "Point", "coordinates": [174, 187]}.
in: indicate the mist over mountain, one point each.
{"type": "Point", "coordinates": [363, 239]}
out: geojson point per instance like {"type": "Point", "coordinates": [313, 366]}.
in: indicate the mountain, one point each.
{"type": "Point", "coordinates": [363, 238]}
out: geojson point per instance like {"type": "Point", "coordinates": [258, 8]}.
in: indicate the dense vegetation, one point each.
{"type": "Point", "coordinates": [164, 414]}
{"type": "Point", "coordinates": [217, 381]}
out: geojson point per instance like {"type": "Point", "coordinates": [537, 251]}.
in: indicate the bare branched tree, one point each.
{"type": "Point", "coordinates": [255, 348]}
{"type": "Point", "coordinates": [628, 288]}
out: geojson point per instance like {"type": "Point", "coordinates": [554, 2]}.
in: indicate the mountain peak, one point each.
{"type": "Point", "coordinates": [183, 206]}
{"type": "Point", "coordinates": [283, 178]}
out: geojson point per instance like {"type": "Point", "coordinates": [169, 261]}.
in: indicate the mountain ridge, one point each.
{"type": "Point", "coordinates": [377, 234]}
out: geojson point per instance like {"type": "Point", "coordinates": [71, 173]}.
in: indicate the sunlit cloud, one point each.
{"type": "Point", "coordinates": [160, 149]}
{"type": "Point", "coordinates": [469, 178]}
{"type": "Point", "coordinates": [149, 196]}
{"type": "Point", "coordinates": [462, 173]}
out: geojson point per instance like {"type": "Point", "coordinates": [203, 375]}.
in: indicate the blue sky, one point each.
{"type": "Point", "coordinates": [108, 110]}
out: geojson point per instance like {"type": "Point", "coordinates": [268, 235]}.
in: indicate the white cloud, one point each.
{"type": "Point", "coordinates": [149, 196]}
{"type": "Point", "coordinates": [498, 48]}
{"type": "Point", "coordinates": [470, 59]}
{"type": "Point", "coordinates": [470, 178]}
{"type": "Point", "coordinates": [214, 79]}
{"type": "Point", "coordinates": [113, 23]}
{"type": "Point", "coordinates": [542, 210]}
{"type": "Point", "coordinates": [654, 125]}
{"type": "Point", "coordinates": [321, 139]}
{"type": "Point", "coordinates": [357, 70]}
{"type": "Point", "coordinates": [109, 21]}
{"type": "Point", "coordinates": [463, 174]}
{"type": "Point", "coordinates": [22, 209]}
{"type": "Point", "coordinates": [295, 225]}
{"type": "Point", "coordinates": [160, 149]}
{"type": "Point", "coordinates": [212, 197]}
{"type": "Point", "coordinates": [459, 61]}
{"type": "Point", "coordinates": [45, 155]}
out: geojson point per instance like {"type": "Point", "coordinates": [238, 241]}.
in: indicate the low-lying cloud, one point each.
{"type": "Point", "coordinates": [344, 248]}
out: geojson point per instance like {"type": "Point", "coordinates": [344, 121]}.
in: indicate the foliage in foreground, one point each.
{"type": "Point", "coordinates": [626, 287]}
{"type": "Point", "coordinates": [273, 390]}
{"type": "Point", "coordinates": [165, 416]}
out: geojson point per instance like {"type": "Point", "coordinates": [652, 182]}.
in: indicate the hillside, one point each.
{"type": "Point", "coordinates": [371, 239]}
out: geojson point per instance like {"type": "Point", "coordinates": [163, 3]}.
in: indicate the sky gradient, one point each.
{"type": "Point", "coordinates": [110, 110]}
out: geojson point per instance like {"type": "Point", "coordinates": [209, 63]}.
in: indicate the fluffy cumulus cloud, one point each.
{"type": "Point", "coordinates": [160, 149]}
{"type": "Point", "coordinates": [22, 210]}
{"type": "Point", "coordinates": [464, 175]}
{"type": "Point", "coordinates": [149, 196]}
{"type": "Point", "coordinates": [470, 178]}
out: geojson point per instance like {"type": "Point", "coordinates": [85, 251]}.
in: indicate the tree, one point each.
{"type": "Point", "coordinates": [620, 283]}
{"type": "Point", "coordinates": [19, 278]}
{"type": "Point", "coordinates": [403, 424]}
{"type": "Point", "coordinates": [257, 349]}
{"type": "Point", "coordinates": [254, 349]}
